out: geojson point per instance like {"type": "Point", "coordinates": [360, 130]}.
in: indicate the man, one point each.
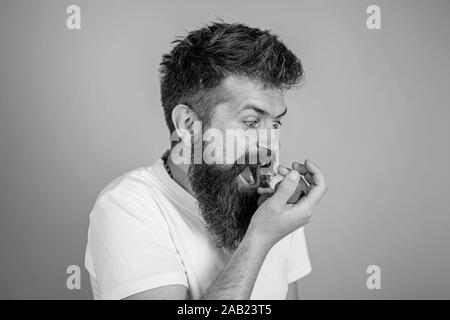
{"type": "Point", "coordinates": [194, 230]}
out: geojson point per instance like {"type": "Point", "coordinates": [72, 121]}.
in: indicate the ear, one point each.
{"type": "Point", "coordinates": [183, 118]}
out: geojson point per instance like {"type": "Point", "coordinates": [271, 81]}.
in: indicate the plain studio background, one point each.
{"type": "Point", "coordinates": [79, 108]}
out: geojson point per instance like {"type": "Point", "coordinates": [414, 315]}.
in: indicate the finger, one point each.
{"type": "Point", "coordinates": [304, 186]}
{"type": "Point", "coordinates": [299, 167]}
{"type": "Point", "coordinates": [308, 177]}
{"type": "Point", "coordinates": [267, 190]}
{"type": "Point", "coordinates": [314, 195]}
{"type": "Point", "coordinates": [286, 188]}
{"type": "Point", "coordinates": [283, 170]}
{"type": "Point", "coordinates": [318, 187]}
{"type": "Point", "coordinates": [317, 177]}
{"type": "Point", "coordinates": [262, 198]}
{"type": "Point", "coordinates": [302, 169]}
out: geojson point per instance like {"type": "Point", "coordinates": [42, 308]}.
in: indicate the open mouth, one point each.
{"type": "Point", "coordinates": [256, 175]}
{"type": "Point", "coordinates": [251, 176]}
{"type": "Point", "coordinates": [259, 175]}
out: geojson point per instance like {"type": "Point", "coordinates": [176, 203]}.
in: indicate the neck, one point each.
{"type": "Point", "coordinates": [180, 173]}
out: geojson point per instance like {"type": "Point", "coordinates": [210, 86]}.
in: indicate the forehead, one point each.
{"type": "Point", "coordinates": [242, 92]}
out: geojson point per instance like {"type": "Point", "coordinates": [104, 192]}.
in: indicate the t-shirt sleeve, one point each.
{"type": "Point", "coordinates": [298, 263]}
{"type": "Point", "coordinates": [130, 247]}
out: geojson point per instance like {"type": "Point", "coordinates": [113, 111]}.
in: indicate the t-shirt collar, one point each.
{"type": "Point", "coordinates": [174, 190]}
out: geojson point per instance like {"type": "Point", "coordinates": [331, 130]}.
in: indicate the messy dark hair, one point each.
{"type": "Point", "coordinates": [193, 71]}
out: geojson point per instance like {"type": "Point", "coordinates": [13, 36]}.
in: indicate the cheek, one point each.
{"type": "Point", "coordinates": [213, 146]}
{"type": "Point", "coordinates": [222, 138]}
{"type": "Point", "coordinates": [217, 147]}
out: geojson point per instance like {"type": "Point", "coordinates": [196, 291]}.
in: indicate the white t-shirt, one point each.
{"type": "Point", "coordinates": [146, 231]}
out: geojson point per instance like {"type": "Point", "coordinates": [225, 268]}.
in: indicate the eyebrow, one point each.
{"type": "Point", "coordinates": [262, 111]}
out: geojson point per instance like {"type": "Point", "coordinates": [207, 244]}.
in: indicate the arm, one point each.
{"type": "Point", "coordinates": [293, 292]}
{"type": "Point", "coordinates": [236, 280]}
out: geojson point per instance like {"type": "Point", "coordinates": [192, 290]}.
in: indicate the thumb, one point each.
{"type": "Point", "coordinates": [286, 188]}
{"type": "Point", "coordinates": [263, 198]}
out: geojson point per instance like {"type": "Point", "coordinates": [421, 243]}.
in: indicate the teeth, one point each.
{"type": "Point", "coordinates": [251, 180]}
{"type": "Point", "coordinates": [248, 176]}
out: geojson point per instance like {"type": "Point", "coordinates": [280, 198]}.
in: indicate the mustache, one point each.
{"type": "Point", "coordinates": [247, 160]}
{"type": "Point", "coordinates": [261, 158]}
{"type": "Point", "coordinates": [221, 174]}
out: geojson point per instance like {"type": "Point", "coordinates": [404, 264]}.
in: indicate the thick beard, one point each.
{"type": "Point", "coordinates": [226, 208]}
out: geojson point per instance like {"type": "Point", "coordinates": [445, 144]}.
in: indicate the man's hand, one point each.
{"type": "Point", "coordinates": [275, 218]}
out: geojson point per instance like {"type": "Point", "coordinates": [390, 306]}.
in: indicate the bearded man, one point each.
{"type": "Point", "coordinates": [203, 228]}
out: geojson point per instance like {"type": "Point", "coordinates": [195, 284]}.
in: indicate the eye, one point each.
{"type": "Point", "coordinates": [251, 123]}
{"type": "Point", "coordinates": [277, 124]}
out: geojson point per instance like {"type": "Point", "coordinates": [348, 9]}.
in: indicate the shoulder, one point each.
{"type": "Point", "coordinates": [131, 195]}
{"type": "Point", "coordinates": [135, 182]}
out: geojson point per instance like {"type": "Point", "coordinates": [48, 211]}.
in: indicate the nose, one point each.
{"type": "Point", "coordinates": [264, 157]}
{"type": "Point", "coordinates": [268, 161]}
{"type": "Point", "coordinates": [268, 153]}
